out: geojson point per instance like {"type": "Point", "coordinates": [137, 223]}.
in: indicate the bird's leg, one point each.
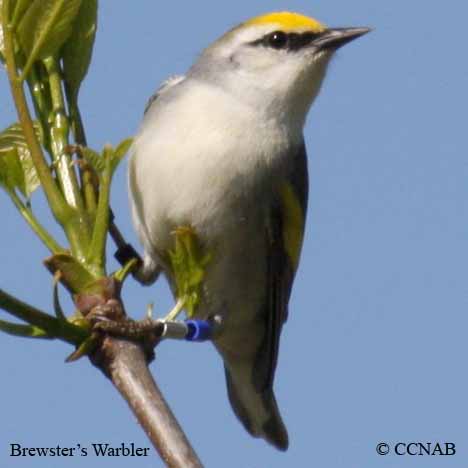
{"type": "Point", "coordinates": [187, 261]}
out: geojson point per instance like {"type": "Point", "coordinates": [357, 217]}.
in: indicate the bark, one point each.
{"type": "Point", "coordinates": [125, 364]}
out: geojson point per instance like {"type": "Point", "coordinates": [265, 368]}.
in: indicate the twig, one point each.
{"type": "Point", "coordinates": [59, 128]}
{"type": "Point", "coordinates": [63, 213]}
{"type": "Point", "coordinates": [125, 364]}
{"type": "Point", "coordinates": [30, 314]}
{"type": "Point", "coordinates": [35, 225]}
{"type": "Point", "coordinates": [89, 186]}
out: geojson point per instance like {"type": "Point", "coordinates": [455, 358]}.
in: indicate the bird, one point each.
{"type": "Point", "coordinates": [218, 170]}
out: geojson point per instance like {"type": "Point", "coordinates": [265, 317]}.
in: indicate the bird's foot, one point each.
{"type": "Point", "coordinates": [150, 331]}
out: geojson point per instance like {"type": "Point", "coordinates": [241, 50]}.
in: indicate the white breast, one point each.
{"type": "Point", "coordinates": [197, 160]}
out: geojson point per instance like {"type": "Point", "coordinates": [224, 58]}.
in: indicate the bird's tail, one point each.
{"type": "Point", "coordinates": [257, 410]}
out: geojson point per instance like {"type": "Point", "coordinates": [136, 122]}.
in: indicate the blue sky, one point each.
{"type": "Point", "coordinates": [375, 347]}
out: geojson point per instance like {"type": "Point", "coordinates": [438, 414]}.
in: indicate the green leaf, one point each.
{"type": "Point", "coordinates": [27, 331]}
{"type": "Point", "coordinates": [107, 152]}
{"type": "Point", "coordinates": [11, 174]}
{"type": "Point", "coordinates": [123, 147]}
{"type": "Point", "coordinates": [44, 28]}
{"type": "Point", "coordinates": [78, 49]}
{"type": "Point", "coordinates": [31, 179]}
{"type": "Point", "coordinates": [57, 306]}
{"type": "Point", "coordinates": [13, 136]}
{"type": "Point", "coordinates": [123, 272]}
{"type": "Point", "coordinates": [19, 10]}
{"type": "Point", "coordinates": [86, 347]}
{"type": "Point", "coordinates": [120, 152]}
{"type": "Point", "coordinates": [73, 275]}
{"type": "Point", "coordinates": [17, 170]}
{"type": "Point", "coordinates": [109, 156]}
{"type": "Point", "coordinates": [18, 7]}
{"type": "Point", "coordinates": [93, 158]}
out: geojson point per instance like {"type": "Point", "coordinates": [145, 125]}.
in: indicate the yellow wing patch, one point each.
{"type": "Point", "coordinates": [293, 223]}
{"type": "Point", "coordinates": [289, 22]}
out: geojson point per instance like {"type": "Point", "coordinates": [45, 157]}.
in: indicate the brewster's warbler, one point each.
{"type": "Point", "coordinates": [218, 183]}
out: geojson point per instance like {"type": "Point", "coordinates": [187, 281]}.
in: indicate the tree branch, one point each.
{"type": "Point", "coordinates": [82, 272]}
{"type": "Point", "coordinates": [30, 314]}
{"type": "Point", "coordinates": [125, 364]}
{"type": "Point", "coordinates": [35, 225]}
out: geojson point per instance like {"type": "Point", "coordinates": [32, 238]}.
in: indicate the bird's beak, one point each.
{"type": "Point", "coordinates": [337, 37]}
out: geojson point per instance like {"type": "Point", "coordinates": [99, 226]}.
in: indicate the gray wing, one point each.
{"type": "Point", "coordinates": [149, 271]}
{"type": "Point", "coordinates": [165, 85]}
{"type": "Point", "coordinates": [281, 267]}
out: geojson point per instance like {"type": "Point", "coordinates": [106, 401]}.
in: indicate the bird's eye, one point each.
{"type": "Point", "coordinates": [277, 40]}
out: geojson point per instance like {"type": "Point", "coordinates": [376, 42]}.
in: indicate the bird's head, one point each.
{"type": "Point", "coordinates": [275, 61]}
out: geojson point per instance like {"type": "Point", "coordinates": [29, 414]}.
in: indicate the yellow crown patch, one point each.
{"type": "Point", "coordinates": [288, 22]}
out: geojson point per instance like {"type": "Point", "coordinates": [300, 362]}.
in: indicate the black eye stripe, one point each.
{"type": "Point", "coordinates": [277, 40]}
{"type": "Point", "coordinates": [286, 41]}
{"type": "Point", "coordinates": [298, 41]}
